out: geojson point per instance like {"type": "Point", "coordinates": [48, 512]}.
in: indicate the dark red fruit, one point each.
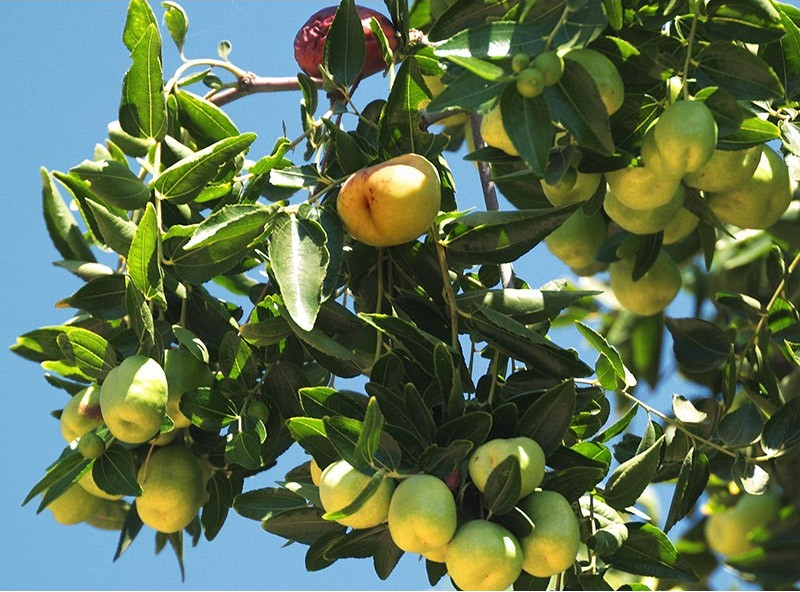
{"type": "Point", "coordinates": [309, 44]}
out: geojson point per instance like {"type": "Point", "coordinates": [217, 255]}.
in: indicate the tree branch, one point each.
{"type": "Point", "coordinates": [489, 191]}
{"type": "Point", "coordinates": [252, 84]}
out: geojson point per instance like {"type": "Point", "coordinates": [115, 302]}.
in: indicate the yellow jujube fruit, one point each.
{"type": "Point", "coordinates": [390, 203]}
{"type": "Point", "coordinates": [686, 135]}
{"type": "Point", "coordinates": [577, 241]}
{"type": "Point", "coordinates": [185, 372]}
{"type": "Point", "coordinates": [81, 414]}
{"type": "Point", "coordinates": [642, 187]}
{"type": "Point", "coordinates": [605, 76]}
{"type": "Point", "coordinates": [553, 544]}
{"type": "Point", "coordinates": [422, 514]}
{"type": "Point", "coordinates": [727, 170]}
{"type": "Point", "coordinates": [728, 533]}
{"type": "Point", "coordinates": [643, 221]}
{"type": "Point", "coordinates": [680, 226]}
{"type": "Point", "coordinates": [340, 484]}
{"type": "Point", "coordinates": [652, 292]}
{"type": "Point", "coordinates": [759, 202]}
{"type": "Point", "coordinates": [74, 505]}
{"type": "Point", "coordinates": [573, 187]}
{"type": "Point", "coordinates": [490, 454]}
{"type": "Point", "coordinates": [483, 556]}
{"type": "Point", "coordinates": [494, 133]}
{"type": "Point", "coordinates": [173, 489]}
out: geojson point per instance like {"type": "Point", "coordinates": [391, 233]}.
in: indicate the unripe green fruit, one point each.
{"type": "Point", "coordinates": [90, 486]}
{"type": "Point", "coordinates": [643, 221]}
{"type": "Point", "coordinates": [551, 65]}
{"type": "Point", "coordinates": [686, 135]}
{"type": "Point", "coordinates": [728, 532]}
{"type": "Point", "coordinates": [519, 62]}
{"type": "Point", "coordinates": [340, 484]}
{"type": "Point", "coordinates": [185, 372]}
{"type": "Point", "coordinates": [258, 410]}
{"type": "Point", "coordinates": [74, 505]}
{"type": "Point", "coordinates": [81, 414]}
{"type": "Point", "coordinates": [577, 241]}
{"type": "Point", "coordinates": [133, 399]}
{"type": "Point", "coordinates": [759, 202]}
{"type": "Point", "coordinates": [494, 133]}
{"type": "Point", "coordinates": [571, 188]}
{"type": "Point", "coordinates": [652, 292]}
{"type": "Point", "coordinates": [727, 170]}
{"type": "Point", "coordinates": [642, 187]}
{"type": "Point", "coordinates": [315, 471]}
{"type": "Point", "coordinates": [605, 76]}
{"type": "Point", "coordinates": [173, 489]}
{"type": "Point", "coordinates": [490, 454]}
{"type": "Point", "coordinates": [483, 556]}
{"type": "Point", "coordinates": [91, 445]}
{"type": "Point", "coordinates": [553, 544]}
{"type": "Point", "coordinates": [530, 83]}
{"type": "Point", "coordinates": [109, 515]}
{"type": "Point", "coordinates": [422, 514]}
{"type": "Point", "coordinates": [680, 226]}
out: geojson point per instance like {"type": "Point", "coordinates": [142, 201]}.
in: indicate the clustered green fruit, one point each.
{"type": "Point", "coordinates": [729, 532]}
{"type": "Point", "coordinates": [423, 518]}
{"type": "Point", "coordinates": [132, 403]}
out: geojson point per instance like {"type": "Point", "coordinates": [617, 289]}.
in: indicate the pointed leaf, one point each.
{"type": "Point", "coordinates": [61, 224]}
{"type": "Point", "coordinates": [114, 183]}
{"type": "Point", "coordinates": [142, 111]}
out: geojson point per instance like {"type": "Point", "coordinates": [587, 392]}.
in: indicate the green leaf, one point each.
{"type": "Point", "coordinates": [66, 468]}
{"type": "Point", "coordinates": [130, 529]}
{"type": "Point", "coordinates": [303, 525]}
{"type": "Point", "coordinates": [61, 224]}
{"type": "Point", "coordinates": [88, 351]}
{"type": "Point", "coordinates": [140, 16]}
{"type": "Point", "coordinates": [348, 153]}
{"type": "Point", "coordinates": [699, 345]}
{"type": "Point", "coordinates": [345, 47]}
{"type": "Point", "coordinates": [267, 332]}
{"type": "Point", "coordinates": [116, 231]}
{"type": "Point", "coordinates": [115, 472]}
{"type": "Point", "coordinates": [573, 482]}
{"type": "Point", "coordinates": [547, 419]}
{"type": "Point", "coordinates": [523, 305]}
{"type": "Point", "coordinates": [177, 22]}
{"type": "Point", "coordinates": [519, 342]}
{"type": "Point", "coordinates": [501, 237]}
{"type": "Point", "coordinates": [185, 179]}
{"type": "Point", "coordinates": [575, 102]}
{"type": "Point", "coordinates": [243, 446]}
{"type": "Point", "coordinates": [692, 480]}
{"type": "Point", "coordinates": [399, 129]}
{"type": "Point", "coordinates": [752, 132]}
{"type": "Point", "coordinates": [114, 183]}
{"type": "Point", "coordinates": [299, 259]}
{"type": "Point", "coordinates": [144, 265]}
{"type": "Point", "coordinates": [469, 92]}
{"type": "Point", "coordinates": [263, 504]}
{"type": "Point", "coordinates": [527, 123]}
{"type": "Point", "coordinates": [780, 433]}
{"type": "Point", "coordinates": [460, 16]}
{"type": "Point", "coordinates": [208, 408]}
{"type": "Point", "coordinates": [482, 68]}
{"type": "Point", "coordinates": [363, 497]}
{"type": "Point", "coordinates": [742, 73]}
{"type": "Point", "coordinates": [741, 427]}
{"type": "Point", "coordinates": [599, 343]}
{"type": "Point", "coordinates": [221, 490]}
{"type": "Point", "coordinates": [204, 119]}
{"type": "Point", "coordinates": [102, 297]}
{"type": "Point", "coordinates": [370, 436]}
{"type": "Point", "coordinates": [648, 552]}
{"type": "Point", "coordinates": [344, 433]}
{"type": "Point", "coordinates": [442, 461]}
{"type": "Point", "coordinates": [386, 555]}
{"type": "Point", "coordinates": [493, 40]}
{"type": "Point", "coordinates": [474, 427]}
{"type": "Point", "coordinates": [139, 313]}
{"type": "Point", "coordinates": [310, 433]}
{"type": "Point", "coordinates": [142, 111]}
{"type": "Point", "coordinates": [749, 22]}
{"type": "Point", "coordinates": [630, 478]}
{"type": "Point", "coordinates": [502, 487]}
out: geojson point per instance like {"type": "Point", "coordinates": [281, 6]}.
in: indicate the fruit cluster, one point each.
{"type": "Point", "coordinates": [137, 403]}
{"type": "Point", "coordinates": [423, 517]}
{"type": "Point", "coordinates": [748, 188]}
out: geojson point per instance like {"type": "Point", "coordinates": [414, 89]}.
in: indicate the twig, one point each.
{"type": "Point", "coordinates": [489, 192]}
{"type": "Point", "coordinates": [690, 42]}
{"type": "Point", "coordinates": [252, 84]}
{"type": "Point", "coordinates": [449, 295]}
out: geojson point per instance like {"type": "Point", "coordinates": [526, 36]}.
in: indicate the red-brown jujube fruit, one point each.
{"type": "Point", "coordinates": [309, 44]}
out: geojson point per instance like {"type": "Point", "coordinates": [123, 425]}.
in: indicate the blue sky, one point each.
{"type": "Point", "coordinates": [63, 69]}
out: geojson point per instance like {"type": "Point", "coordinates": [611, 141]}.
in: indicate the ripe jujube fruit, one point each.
{"type": "Point", "coordinates": [309, 44]}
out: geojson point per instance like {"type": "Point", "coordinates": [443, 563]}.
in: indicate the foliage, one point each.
{"type": "Point", "coordinates": [241, 259]}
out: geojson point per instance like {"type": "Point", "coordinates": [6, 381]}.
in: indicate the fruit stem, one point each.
{"type": "Point", "coordinates": [690, 43]}
{"type": "Point", "coordinates": [493, 370]}
{"type": "Point", "coordinates": [489, 191]}
{"type": "Point", "coordinates": [379, 304]}
{"type": "Point", "coordinates": [447, 290]}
